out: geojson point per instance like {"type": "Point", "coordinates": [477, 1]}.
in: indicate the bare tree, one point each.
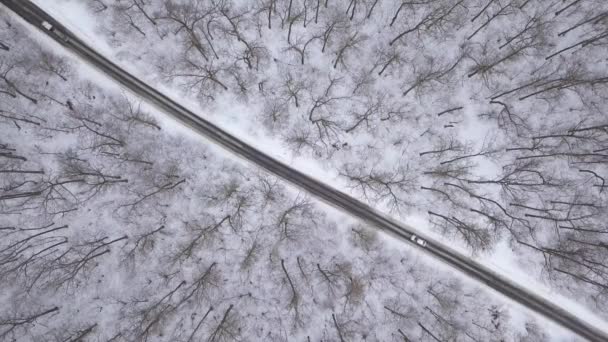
{"type": "Point", "coordinates": [293, 88]}
{"type": "Point", "coordinates": [504, 9]}
{"type": "Point", "coordinates": [333, 26]}
{"type": "Point", "coordinates": [9, 86]}
{"type": "Point", "coordinates": [431, 71]}
{"type": "Point", "coordinates": [194, 19]}
{"type": "Point", "coordinates": [294, 298]}
{"type": "Point", "coordinates": [300, 45]}
{"type": "Point", "coordinates": [381, 186]}
{"type": "Point", "coordinates": [352, 42]}
{"type": "Point", "coordinates": [12, 325]}
{"type": "Point", "coordinates": [320, 111]}
{"type": "Point", "coordinates": [373, 109]}
{"type": "Point", "coordinates": [476, 238]}
{"type": "Point", "coordinates": [228, 327]}
{"type": "Point", "coordinates": [436, 19]}
{"type": "Point", "coordinates": [201, 237]}
{"type": "Point", "coordinates": [530, 40]}
{"type": "Point", "coordinates": [254, 52]}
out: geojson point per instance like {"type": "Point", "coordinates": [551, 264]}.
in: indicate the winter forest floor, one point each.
{"type": "Point", "coordinates": [482, 121]}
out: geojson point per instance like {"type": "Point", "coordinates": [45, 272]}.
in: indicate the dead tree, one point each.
{"type": "Point", "coordinates": [385, 57]}
{"type": "Point", "coordinates": [300, 45]}
{"type": "Point", "coordinates": [487, 149]}
{"type": "Point", "coordinates": [132, 9]}
{"type": "Point", "coordinates": [589, 41]}
{"type": "Point", "coordinates": [434, 20]}
{"type": "Point", "coordinates": [198, 325]}
{"type": "Point", "coordinates": [594, 20]}
{"type": "Point", "coordinates": [150, 317]}
{"type": "Point", "coordinates": [365, 237]}
{"type": "Point", "coordinates": [337, 326]}
{"type": "Point", "coordinates": [491, 210]}
{"type": "Point", "coordinates": [144, 243]}
{"type": "Point", "coordinates": [53, 65]}
{"type": "Point", "coordinates": [294, 299]}
{"type": "Point", "coordinates": [9, 86]}
{"type": "Point", "coordinates": [391, 187]}
{"type": "Point", "coordinates": [475, 237]}
{"type": "Point", "coordinates": [252, 254]}
{"type": "Point", "coordinates": [431, 71]}
{"type": "Point", "coordinates": [134, 116]}
{"type": "Point", "coordinates": [333, 25]}
{"type": "Point", "coordinates": [503, 10]}
{"type": "Point", "coordinates": [227, 329]}
{"type": "Point", "coordinates": [194, 20]}
{"type": "Point", "coordinates": [534, 25]}
{"type": "Point", "coordinates": [293, 88]}
{"type": "Point", "coordinates": [204, 79]}
{"type": "Point", "coordinates": [444, 147]}
{"type": "Point", "coordinates": [373, 109]}
{"type": "Point", "coordinates": [10, 326]}
{"type": "Point", "coordinates": [203, 236]}
{"type": "Point", "coordinates": [155, 190]}
{"type": "Point", "coordinates": [426, 330]}
{"type": "Point", "coordinates": [565, 8]}
{"type": "Point", "coordinates": [268, 6]}
{"type": "Point", "coordinates": [485, 65]}
{"type": "Point", "coordinates": [291, 20]}
{"type": "Point", "coordinates": [66, 269]}
{"type": "Point", "coordinates": [332, 281]}
{"type": "Point", "coordinates": [411, 4]}
{"type": "Point", "coordinates": [254, 53]}
{"type": "Point", "coordinates": [508, 120]}
{"type": "Point", "coordinates": [319, 112]}
{"type": "Point", "coordinates": [29, 249]}
{"type": "Point", "coordinates": [293, 221]}
{"type": "Point", "coordinates": [578, 260]}
{"type": "Point", "coordinates": [198, 289]}
{"type": "Point", "coordinates": [352, 42]}
{"type": "Point", "coordinates": [93, 180]}
{"type": "Point", "coordinates": [98, 6]}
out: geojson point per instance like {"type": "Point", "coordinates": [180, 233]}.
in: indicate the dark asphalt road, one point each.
{"type": "Point", "coordinates": [36, 16]}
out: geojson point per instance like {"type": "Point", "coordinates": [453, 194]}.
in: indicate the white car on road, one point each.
{"type": "Point", "coordinates": [47, 26]}
{"type": "Point", "coordinates": [418, 240]}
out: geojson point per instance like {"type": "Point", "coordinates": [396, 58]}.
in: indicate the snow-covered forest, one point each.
{"type": "Point", "coordinates": [488, 118]}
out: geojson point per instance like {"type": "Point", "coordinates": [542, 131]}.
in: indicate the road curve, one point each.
{"type": "Point", "coordinates": [36, 17]}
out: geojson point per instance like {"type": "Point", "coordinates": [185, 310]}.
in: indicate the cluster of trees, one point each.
{"type": "Point", "coordinates": [544, 95]}
{"type": "Point", "coordinates": [495, 109]}
{"type": "Point", "coordinates": [113, 229]}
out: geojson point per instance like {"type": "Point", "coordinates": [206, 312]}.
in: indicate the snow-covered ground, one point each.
{"type": "Point", "coordinates": [242, 119]}
{"type": "Point", "coordinates": [239, 118]}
